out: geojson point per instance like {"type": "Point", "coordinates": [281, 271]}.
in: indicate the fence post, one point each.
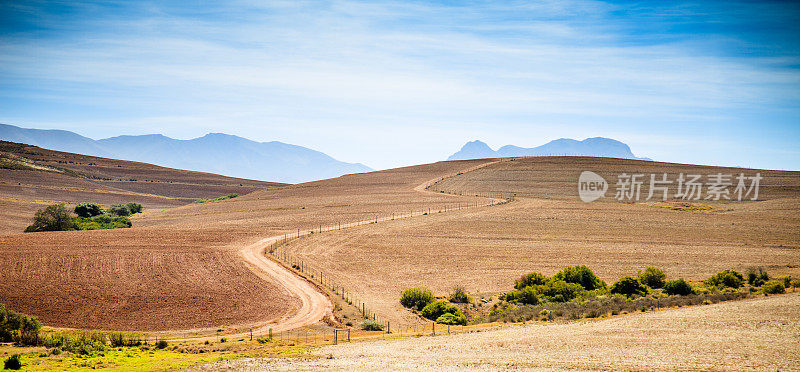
{"type": "Point", "coordinates": [433, 328]}
{"type": "Point", "coordinates": [270, 334]}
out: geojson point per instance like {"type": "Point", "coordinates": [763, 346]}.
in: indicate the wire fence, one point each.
{"type": "Point", "coordinates": [278, 251]}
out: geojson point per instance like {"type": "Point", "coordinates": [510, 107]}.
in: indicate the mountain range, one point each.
{"type": "Point", "coordinates": [215, 153]}
{"type": "Point", "coordinates": [597, 146]}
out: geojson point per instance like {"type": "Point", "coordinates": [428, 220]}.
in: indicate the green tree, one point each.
{"type": "Point", "coordinates": [416, 298]}
{"type": "Point", "coordinates": [55, 217]}
{"type": "Point", "coordinates": [652, 277]}
{"type": "Point", "coordinates": [527, 295]}
{"type": "Point", "coordinates": [678, 287]}
{"type": "Point", "coordinates": [88, 210]}
{"type": "Point", "coordinates": [530, 279]}
{"type": "Point", "coordinates": [134, 208]}
{"type": "Point", "coordinates": [628, 286]}
{"type": "Point", "coordinates": [725, 279]}
{"type": "Point", "coordinates": [436, 309]}
{"type": "Point", "coordinates": [119, 210]}
{"type": "Point", "coordinates": [580, 275]}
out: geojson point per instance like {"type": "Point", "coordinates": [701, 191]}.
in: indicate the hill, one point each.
{"type": "Point", "coordinates": [199, 279]}
{"type": "Point", "coordinates": [548, 227]}
{"type": "Point", "coordinates": [181, 268]}
{"type": "Point", "coordinates": [31, 177]}
{"type": "Point", "coordinates": [215, 153]}
{"type": "Point", "coordinates": [598, 146]}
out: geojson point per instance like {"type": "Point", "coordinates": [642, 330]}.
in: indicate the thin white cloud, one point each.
{"type": "Point", "coordinates": [378, 66]}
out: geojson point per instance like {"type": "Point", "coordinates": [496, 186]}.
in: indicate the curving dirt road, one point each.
{"type": "Point", "coordinates": [314, 305]}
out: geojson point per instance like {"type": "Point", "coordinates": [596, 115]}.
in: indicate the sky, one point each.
{"type": "Point", "coordinates": [393, 83]}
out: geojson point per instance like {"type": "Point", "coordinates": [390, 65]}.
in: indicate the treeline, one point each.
{"type": "Point", "coordinates": [90, 216]}
{"type": "Point", "coordinates": [576, 292]}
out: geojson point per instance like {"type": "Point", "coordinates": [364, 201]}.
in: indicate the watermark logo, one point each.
{"type": "Point", "coordinates": [718, 186]}
{"type": "Point", "coordinates": [591, 186]}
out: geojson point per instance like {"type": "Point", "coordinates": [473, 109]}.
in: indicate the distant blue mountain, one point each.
{"type": "Point", "coordinates": [215, 153]}
{"type": "Point", "coordinates": [597, 146]}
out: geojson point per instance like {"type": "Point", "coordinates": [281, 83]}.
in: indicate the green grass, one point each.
{"type": "Point", "coordinates": [120, 359]}
{"type": "Point", "coordinates": [229, 196]}
{"type": "Point", "coordinates": [148, 358]}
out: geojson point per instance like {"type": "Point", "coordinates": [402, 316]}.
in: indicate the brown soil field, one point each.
{"type": "Point", "coordinates": [181, 268]}
{"type": "Point", "coordinates": [485, 249]}
{"type": "Point", "coordinates": [758, 334]}
{"type": "Point", "coordinates": [31, 177]}
{"type": "Point", "coordinates": [557, 177]}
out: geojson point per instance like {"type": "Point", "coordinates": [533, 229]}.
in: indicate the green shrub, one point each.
{"type": "Point", "coordinates": [436, 309]}
{"type": "Point", "coordinates": [134, 208]}
{"type": "Point", "coordinates": [558, 291]}
{"type": "Point", "coordinates": [581, 275]}
{"type": "Point", "coordinates": [161, 344]}
{"type": "Point", "coordinates": [103, 221]}
{"type": "Point", "coordinates": [628, 286]}
{"type": "Point", "coordinates": [452, 319]}
{"type": "Point", "coordinates": [678, 287]}
{"type": "Point", "coordinates": [17, 327]}
{"type": "Point", "coordinates": [652, 277]}
{"type": "Point", "coordinates": [726, 278]}
{"type": "Point", "coordinates": [13, 362]}
{"type": "Point", "coordinates": [787, 281]}
{"type": "Point", "coordinates": [527, 295]}
{"type": "Point", "coordinates": [773, 287]}
{"type": "Point", "coordinates": [757, 278]}
{"type": "Point", "coordinates": [371, 325]}
{"type": "Point", "coordinates": [416, 298]}
{"type": "Point", "coordinates": [460, 295]}
{"type": "Point", "coordinates": [529, 280]}
{"type": "Point", "coordinates": [88, 210]}
{"type": "Point", "coordinates": [795, 283]}
{"type": "Point", "coordinates": [55, 217]}
{"type": "Point", "coordinates": [119, 210]}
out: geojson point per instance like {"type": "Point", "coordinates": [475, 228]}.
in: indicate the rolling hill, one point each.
{"type": "Point", "coordinates": [31, 177]}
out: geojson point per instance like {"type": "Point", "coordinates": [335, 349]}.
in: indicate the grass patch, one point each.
{"type": "Point", "coordinates": [229, 196]}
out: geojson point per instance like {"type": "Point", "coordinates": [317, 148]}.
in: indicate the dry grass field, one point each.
{"type": "Point", "coordinates": [760, 334]}
{"type": "Point", "coordinates": [32, 177]}
{"type": "Point", "coordinates": [485, 249]}
{"type": "Point", "coordinates": [556, 177]}
{"type": "Point", "coordinates": [180, 268]}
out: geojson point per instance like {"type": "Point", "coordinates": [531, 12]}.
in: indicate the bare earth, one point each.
{"type": "Point", "coordinates": [180, 269]}
{"type": "Point", "coordinates": [760, 334]}
{"type": "Point", "coordinates": [485, 249]}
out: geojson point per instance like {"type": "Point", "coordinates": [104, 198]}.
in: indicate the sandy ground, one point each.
{"type": "Point", "coordinates": [761, 334]}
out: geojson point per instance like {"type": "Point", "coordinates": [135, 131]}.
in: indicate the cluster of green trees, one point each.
{"type": "Point", "coordinates": [90, 216]}
{"type": "Point", "coordinates": [423, 300]}
{"type": "Point", "coordinates": [567, 284]}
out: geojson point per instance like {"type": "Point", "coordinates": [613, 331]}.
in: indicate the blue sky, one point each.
{"type": "Point", "coordinates": [396, 83]}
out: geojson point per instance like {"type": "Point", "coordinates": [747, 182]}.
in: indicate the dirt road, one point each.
{"type": "Point", "coordinates": [314, 305]}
